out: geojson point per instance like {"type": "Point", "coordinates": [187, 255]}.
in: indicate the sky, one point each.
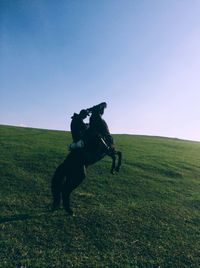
{"type": "Point", "coordinates": [142, 57]}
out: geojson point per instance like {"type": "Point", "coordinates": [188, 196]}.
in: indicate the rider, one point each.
{"type": "Point", "coordinates": [97, 128]}
{"type": "Point", "coordinates": [78, 128]}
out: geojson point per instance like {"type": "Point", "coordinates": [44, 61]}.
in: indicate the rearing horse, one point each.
{"type": "Point", "coordinates": [71, 172]}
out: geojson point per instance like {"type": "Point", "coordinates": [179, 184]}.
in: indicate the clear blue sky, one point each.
{"type": "Point", "coordinates": [142, 57]}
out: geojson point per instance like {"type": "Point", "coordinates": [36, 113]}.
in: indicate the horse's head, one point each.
{"type": "Point", "coordinates": [98, 109]}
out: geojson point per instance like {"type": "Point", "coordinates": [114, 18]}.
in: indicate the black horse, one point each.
{"type": "Point", "coordinates": [72, 171]}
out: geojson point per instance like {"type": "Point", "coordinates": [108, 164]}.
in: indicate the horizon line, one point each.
{"type": "Point", "coordinates": [131, 134]}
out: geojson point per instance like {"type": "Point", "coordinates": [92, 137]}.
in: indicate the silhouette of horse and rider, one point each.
{"type": "Point", "coordinates": [91, 142]}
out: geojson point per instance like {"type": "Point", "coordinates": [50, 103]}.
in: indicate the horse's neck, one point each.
{"type": "Point", "coordinates": [95, 119]}
{"type": "Point", "coordinates": [94, 150]}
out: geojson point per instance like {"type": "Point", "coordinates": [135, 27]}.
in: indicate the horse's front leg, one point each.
{"type": "Point", "coordinates": [112, 171]}
{"type": "Point", "coordinates": [119, 161]}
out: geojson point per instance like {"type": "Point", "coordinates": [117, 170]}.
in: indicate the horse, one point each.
{"type": "Point", "coordinates": [70, 174]}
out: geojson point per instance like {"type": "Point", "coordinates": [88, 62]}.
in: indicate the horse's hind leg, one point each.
{"type": "Point", "coordinates": [72, 182]}
{"type": "Point", "coordinates": [56, 185]}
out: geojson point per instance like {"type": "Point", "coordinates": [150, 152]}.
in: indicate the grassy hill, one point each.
{"type": "Point", "coordinates": [148, 215]}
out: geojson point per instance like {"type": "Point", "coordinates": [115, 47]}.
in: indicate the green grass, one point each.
{"type": "Point", "coordinates": [148, 215]}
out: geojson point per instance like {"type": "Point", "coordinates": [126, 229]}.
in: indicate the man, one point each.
{"type": "Point", "coordinates": [78, 129]}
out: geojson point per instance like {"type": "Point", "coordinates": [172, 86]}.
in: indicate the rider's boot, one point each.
{"type": "Point", "coordinates": [76, 145]}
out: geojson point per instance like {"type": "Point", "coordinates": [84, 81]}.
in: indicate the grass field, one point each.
{"type": "Point", "coordinates": [148, 215]}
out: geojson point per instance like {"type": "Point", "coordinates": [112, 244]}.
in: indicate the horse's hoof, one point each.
{"type": "Point", "coordinates": [70, 212]}
{"type": "Point", "coordinates": [55, 207]}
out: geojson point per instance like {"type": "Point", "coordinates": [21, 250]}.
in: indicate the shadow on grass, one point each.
{"type": "Point", "coordinates": [19, 217]}
{"type": "Point", "coordinates": [30, 216]}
